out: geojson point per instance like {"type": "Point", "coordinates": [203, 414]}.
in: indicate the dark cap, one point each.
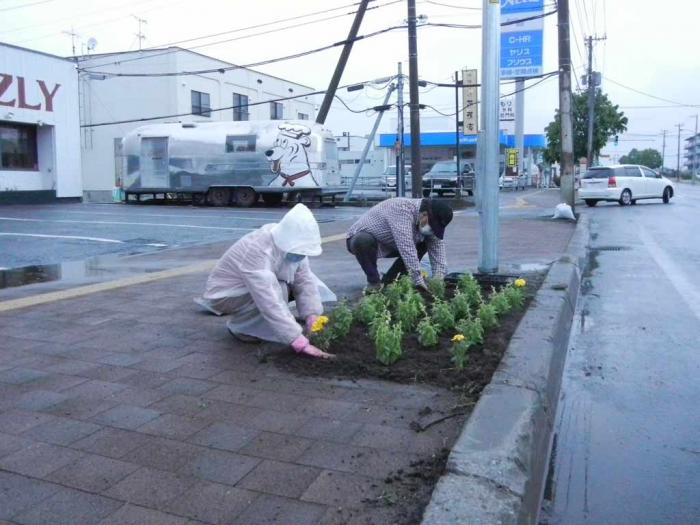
{"type": "Point", "coordinates": [439, 215]}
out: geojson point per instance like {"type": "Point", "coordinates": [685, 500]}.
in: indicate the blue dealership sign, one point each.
{"type": "Point", "coordinates": [521, 38]}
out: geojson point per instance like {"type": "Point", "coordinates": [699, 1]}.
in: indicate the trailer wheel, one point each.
{"type": "Point", "coordinates": [219, 197]}
{"type": "Point", "coordinates": [272, 199]}
{"type": "Point", "coordinates": [199, 199]}
{"type": "Point", "coordinates": [246, 197]}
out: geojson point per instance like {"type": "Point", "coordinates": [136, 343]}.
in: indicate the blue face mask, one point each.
{"type": "Point", "coordinates": [294, 257]}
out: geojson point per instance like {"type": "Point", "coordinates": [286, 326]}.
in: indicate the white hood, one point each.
{"type": "Point", "coordinates": [298, 232]}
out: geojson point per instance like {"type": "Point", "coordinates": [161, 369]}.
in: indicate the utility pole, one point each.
{"type": "Point", "coordinates": [489, 147]}
{"type": "Point", "coordinates": [340, 66]}
{"type": "Point", "coordinates": [140, 35]}
{"type": "Point", "coordinates": [520, 122]}
{"type": "Point", "coordinates": [401, 164]}
{"type": "Point", "coordinates": [416, 171]}
{"type": "Point", "coordinates": [370, 140]}
{"type": "Point", "coordinates": [591, 98]}
{"type": "Point", "coordinates": [457, 152]}
{"type": "Point", "coordinates": [567, 138]}
{"type": "Point", "coordinates": [663, 153]}
{"type": "Point", "coordinates": [678, 163]}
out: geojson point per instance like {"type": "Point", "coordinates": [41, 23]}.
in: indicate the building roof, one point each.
{"type": "Point", "coordinates": [175, 49]}
{"type": "Point", "coordinates": [65, 59]}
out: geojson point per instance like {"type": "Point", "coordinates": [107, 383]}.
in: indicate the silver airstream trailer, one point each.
{"type": "Point", "coordinates": [221, 163]}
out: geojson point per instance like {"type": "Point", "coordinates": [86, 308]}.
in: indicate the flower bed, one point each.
{"type": "Point", "coordinates": [452, 337]}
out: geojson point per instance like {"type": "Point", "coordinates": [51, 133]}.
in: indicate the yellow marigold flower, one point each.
{"type": "Point", "coordinates": [520, 283]}
{"type": "Point", "coordinates": [319, 324]}
{"type": "Point", "coordinates": [424, 274]}
{"type": "Point", "coordinates": [457, 338]}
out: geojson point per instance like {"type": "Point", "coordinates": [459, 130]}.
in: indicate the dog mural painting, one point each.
{"type": "Point", "coordinates": [222, 163]}
{"type": "Point", "coordinates": [289, 158]}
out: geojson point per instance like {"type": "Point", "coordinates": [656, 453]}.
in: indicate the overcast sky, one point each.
{"type": "Point", "coordinates": [648, 48]}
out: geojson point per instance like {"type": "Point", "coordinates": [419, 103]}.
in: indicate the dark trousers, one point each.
{"type": "Point", "coordinates": [365, 248]}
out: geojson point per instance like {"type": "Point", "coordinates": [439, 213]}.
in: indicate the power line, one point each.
{"type": "Point", "coordinates": [543, 78]}
{"type": "Point", "coordinates": [503, 24]}
{"type": "Point", "coordinates": [680, 104]}
{"type": "Point", "coordinates": [240, 29]}
{"type": "Point", "coordinates": [22, 6]}
{"type": "Point", "coordinates": [254, 64]}
{"type": "Point", "coordinates": [216, 110]}
{"type": "Point", "coordinates": [452, 6]}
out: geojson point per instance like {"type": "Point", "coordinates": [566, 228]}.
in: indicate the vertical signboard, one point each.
{"type": "Point", "coordinates": [521, 38]}
{"type": "Point", "coordinates": [507, 109]}
{"type": "Point", "coordinates": [470, 101]}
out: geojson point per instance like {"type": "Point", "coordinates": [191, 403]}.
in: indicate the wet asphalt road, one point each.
{"type": "Point", "coordinates": [628, 427]}
{"type": "Point", "coordinates": [55, 233]}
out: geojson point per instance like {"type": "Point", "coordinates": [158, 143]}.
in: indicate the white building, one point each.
{"type": "Point", "coordinates": [39, 127]}
{"type": "Point", "coordinates": [349, 154]}
{"type": "Point", "coordinates": [107, 97]}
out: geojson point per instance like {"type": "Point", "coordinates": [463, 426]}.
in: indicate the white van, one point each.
{"type": "Point", "coordinates": [221, 163]}
{"type": "Point", "coordinates": [624, 183]}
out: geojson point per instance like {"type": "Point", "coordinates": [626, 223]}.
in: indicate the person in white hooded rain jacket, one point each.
{"type": "Point", "coordinates": [253, 280]}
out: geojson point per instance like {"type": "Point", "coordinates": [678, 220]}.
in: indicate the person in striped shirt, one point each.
{"type": "Point", "coordinates": [403, 228]}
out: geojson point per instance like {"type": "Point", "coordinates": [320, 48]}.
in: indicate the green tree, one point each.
{"type": "Point", "coordinates": [609, 121]}
{"type": "Point", "coordinates": [647, 157]}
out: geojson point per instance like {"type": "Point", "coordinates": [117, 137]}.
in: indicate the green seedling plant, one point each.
{"type": "Point", "coordinates": [436, 286]}
{"type": "Point", "coordinates": [500, 302]}
{"type": "Point", "coordinates": [409, 311]}
{"type": "Point", "coordinates": [488, 317]}
{"type": "Point", "coordinates": [427, 333]}
{"type": "Point", "coordinates": [442, 316]}
{"type": "Point", "coordinates": [460, 306]}
{"type": "Point", "coordinates": [387, 340]}
{"type": "Point", "coordinates": [459, 350]}
{"type": "Point", "coordinates": [371, 307]}
{"type": "Point", "coordinates": [471, 288]}
{"type": "Point", "coordinates": [472, 329]}
{"type": "Point", "coordinates": [341, 320]}
{"type": "Point", "coordinates": [515, 296]}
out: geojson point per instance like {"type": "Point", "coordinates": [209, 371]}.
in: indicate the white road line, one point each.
{"type": "Point", "coordinates": [684, 286]}
{"type": "Point", "coordinates": [74, 237]}
{"type": "Point", "coordinates": [174, 216]}
{"type": "Point", "coordinates": [66, 221]}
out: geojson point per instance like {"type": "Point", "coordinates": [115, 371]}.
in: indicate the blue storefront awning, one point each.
{"type": "Point", "coordinates": [446, 138]}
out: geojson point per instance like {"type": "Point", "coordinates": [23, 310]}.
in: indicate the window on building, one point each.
{"type": "Point", "coordinates": [18, 147]}
{"type": "Point", "coordinates": [276, 111]}
{"type": "Point", "coordinates": [200, 104]}
{"type": "Point", "coordinates": [240, 107]}
{"type": "Point", "coordinates": [303, 116]}
{"type": "Point", "coordinates": [239, 143]}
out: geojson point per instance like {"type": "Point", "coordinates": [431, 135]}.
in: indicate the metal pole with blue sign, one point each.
{"type": "Point", "coordinates": [522, 26]}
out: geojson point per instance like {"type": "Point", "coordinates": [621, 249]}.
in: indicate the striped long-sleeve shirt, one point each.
{"type": "Point", "coordinates": [394, 223]}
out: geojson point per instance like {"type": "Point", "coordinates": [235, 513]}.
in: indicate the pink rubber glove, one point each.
{"type": "Point", "coordinates": [301, 345]}
{"type": "Point", "coordinates": [310, 322]}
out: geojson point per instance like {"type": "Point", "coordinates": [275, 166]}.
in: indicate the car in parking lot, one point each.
{"type": "Point", "coordinates": [625, 184]}
{"type": "Point", "coordinates": [389, 176]}
{"type": "Point", "coordinates": [514, 182]}
{"type": "Point", "coordinates": [442, 178]}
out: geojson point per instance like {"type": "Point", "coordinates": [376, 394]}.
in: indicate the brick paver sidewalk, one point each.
{"type": "Point", "coordinates": [130, 406]}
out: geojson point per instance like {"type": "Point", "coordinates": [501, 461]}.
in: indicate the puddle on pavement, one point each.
{"type": "Point", "coordinates": [68, 271]}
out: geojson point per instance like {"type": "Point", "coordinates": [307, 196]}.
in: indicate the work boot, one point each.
{"type": "Point", "coordinates": [243, 338]}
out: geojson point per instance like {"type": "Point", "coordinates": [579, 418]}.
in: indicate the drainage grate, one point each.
{"type": "Point", "coordinates": [612, 248]}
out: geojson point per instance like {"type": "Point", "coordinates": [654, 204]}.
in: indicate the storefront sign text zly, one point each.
{"type": "Point", "coordinates": [19, 93]}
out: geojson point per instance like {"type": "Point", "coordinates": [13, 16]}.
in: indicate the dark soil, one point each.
{"type": "Point", "coordinates": [355, 357]}
{"type": "Point", "coordinates": [407, 492]}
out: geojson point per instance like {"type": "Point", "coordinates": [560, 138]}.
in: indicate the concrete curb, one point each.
{"type": "Point", "coordinates": [497, 469]}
